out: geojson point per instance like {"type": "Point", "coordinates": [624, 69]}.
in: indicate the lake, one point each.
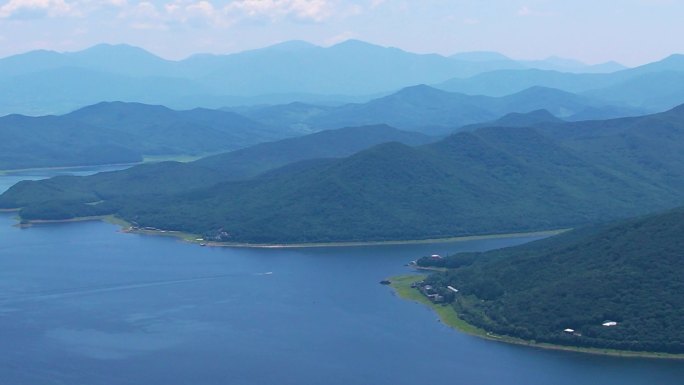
{"type": "Point", "coordinates": [82, 303]}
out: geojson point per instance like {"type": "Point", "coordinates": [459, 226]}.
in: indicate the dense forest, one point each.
{"type": "Point", "coordinates": [490, 180]}
{"type": "Point", "coordinates": [117, 132]}
{"type": "Point", "coordinates": [631, 273]}
{"type": "Point", "coordinates": [164, 177]}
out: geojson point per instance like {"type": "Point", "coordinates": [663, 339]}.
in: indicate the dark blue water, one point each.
{"type": "Point", "coordinates": [82, 303]}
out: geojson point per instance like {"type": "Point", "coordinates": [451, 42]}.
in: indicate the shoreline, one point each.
{"type": "Point", "coordinates": [193, 238]}
{"type": "Point", "coordinates": [103, 218]}
{"type": "Point", "coordinates": [145, 160]}
{"type": "Point", "coordinates": [58, 168]}
{"type": "Point", "coordinates": [400, 284]}
{"type": "Point", "coordinates": [389, 243]}
{"type": "Point", "coordinates": [449, 317]}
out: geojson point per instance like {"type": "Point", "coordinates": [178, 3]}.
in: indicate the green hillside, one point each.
{"type": "Point", "coordinates": [156, 129]}
{"type": "Point", "coordinates": [491, 180]}
{"type": "Point", "coordinates": [117, 132]}
{"type": "Point", "coordinates": [338, 143]}
{"type": "Point", "coordinates": [517, 119]}
{"type": "Point", "coordinates": [174, 177]}
{"type": "Point", "coordinates": [27, 142]}
{"type": "Point", "coordinates": [630, 273]}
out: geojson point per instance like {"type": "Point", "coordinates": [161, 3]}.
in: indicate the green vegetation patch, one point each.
{"type": "Point", "coordinates": [447, 314]}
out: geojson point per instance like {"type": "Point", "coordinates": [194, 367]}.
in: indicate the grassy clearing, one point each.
{"type": "Point", "coordinates": [447, 314]}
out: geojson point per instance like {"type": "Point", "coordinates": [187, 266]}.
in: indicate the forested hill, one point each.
{"type": "Point", "coordinates": [337, 143]}
{"type": "Point", "coordinates": [491, 180]}
{"type": "Point", "coordinates": [117, 132]}
{"type": "Point", "coordinates": [174, 177]}
{"type": "Point", "coordinates": [631, 273]}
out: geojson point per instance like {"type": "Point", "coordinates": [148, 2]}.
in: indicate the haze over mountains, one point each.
{"type": "Point", "coordinates": [356, 142]}
{"type": "Point", "coordinates": [162, 178]}
{"type": "Point", "coordinates": [433, 111]}
{"type": "Point", "coordinates": [119, 132]}
{"type": "Point", "coordinates": [488, 180]}
{"type": "Point", "coordinates": [562, 149]}
{"type": "Point", "coordinates": [659, 79]}
{"type": "Point", "coordinates": [45, 82]}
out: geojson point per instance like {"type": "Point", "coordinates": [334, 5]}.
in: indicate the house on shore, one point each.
{"type": "Point", "coordinates": [430, 293]}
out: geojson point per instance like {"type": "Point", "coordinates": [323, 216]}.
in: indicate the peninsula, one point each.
{"type": "Point", "coordinates": [611, 289]}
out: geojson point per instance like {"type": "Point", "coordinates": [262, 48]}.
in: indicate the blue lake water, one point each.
{"type": "Point", "coordinates": [83, 303]}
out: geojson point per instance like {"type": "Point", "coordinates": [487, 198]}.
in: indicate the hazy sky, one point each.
{"type": "Point", "coordinates": [630, 31]}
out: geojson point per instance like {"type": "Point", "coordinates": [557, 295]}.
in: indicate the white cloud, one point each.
{"type": "Point", "coordinates": [144, 10]}
{"type": "Point", "coordinates": [202, 7]}
{"type": "Point", "coordinates": [37, 8]}
{"type": "Point", "coordinates": [168, 14]}
{"type": "Point", "coordinates": [657, 2]}
{"type": "Point", "coordinates": [303, 10]}
{"type": "Point", "coordinates": [56, 8]}
{"type": "Point", "coordinates": [99, 3]}
{"type": "Point", "coordinates": [526, 11]}
{"type": "Point", "coordinates": [146, 15]}
{"type": "Point", "coordinates": [376, 3]}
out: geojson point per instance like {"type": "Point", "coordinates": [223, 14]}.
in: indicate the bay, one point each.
{"type": "Point", "coordinates": [82, 303]}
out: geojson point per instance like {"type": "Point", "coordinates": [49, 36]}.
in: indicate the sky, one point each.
{"type": "Point", "coordinates": [631, 32]}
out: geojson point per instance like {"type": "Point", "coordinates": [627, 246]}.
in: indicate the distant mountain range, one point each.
{"type": "Point", "coordinates": [45, 82]}
{"type": "Point", "coordinates": [655, 86]}
{"type": "Point", "coordinates": [432, 111]}
{"type": "Point", "coordinates": [553, 63]}
{"type": "Point", "coordinates": [124, 132]}
{"type": "Point", "coordinates": [487, 180]}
